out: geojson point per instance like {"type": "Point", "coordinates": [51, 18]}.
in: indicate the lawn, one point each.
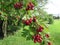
{"type": "Point", "coordinates": [17, 39]}
{"type": "Point", "coordinates": [55, 31]}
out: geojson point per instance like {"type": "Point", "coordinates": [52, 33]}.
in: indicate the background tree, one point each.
{"type": "Point", "coordinates": [50, 19]}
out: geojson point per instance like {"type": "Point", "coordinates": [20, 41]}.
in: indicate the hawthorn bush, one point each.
{"type": "Point", "coordinates": [17, 14]}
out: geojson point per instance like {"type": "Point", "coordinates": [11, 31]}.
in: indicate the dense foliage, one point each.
{"type": "Point", "coordinates": [19, 14]}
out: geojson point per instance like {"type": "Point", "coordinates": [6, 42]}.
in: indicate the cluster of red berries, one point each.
{"type": "Point", "coordinates": [30, 6]}
{"type": "Point", "coordinates": [18, 5]}
{"type": "Point", "coordinates": [29, 21]}
{"type": "Point", "coordinates": [37, 38]}
{"type": "Point", "coordinates": [40, 29]}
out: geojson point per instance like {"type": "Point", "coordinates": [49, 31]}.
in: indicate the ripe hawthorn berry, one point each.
{"type": "Point", "coordinates": [34, 19]}
{"type": "Point", "coordinates": [47, 35]}
{"type": "Point", "coordinates": [30, 20]}
{"type": "Point", "coordinates": [18, 5]}
{"type": "Point", "coordinates": [37, 38]}
{"type": "Point", "coordinates": [35, 41]}
{"type": "Point", "coordinates": [40, 29]}
{"type": "Point", "coordinates": [49, 43]}
{"type": "Point", "coordinates": [27, 22]}
{"type": "Point", "coordinates": [30, 6]}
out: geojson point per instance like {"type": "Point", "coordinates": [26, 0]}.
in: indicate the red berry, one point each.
{"type": "Point", "coordinates": [47, 35]}
{"type": "Point", "coordinates": [30, 20]}
{"type": "Point", "coordinates": [39, 36]}
{"type": "Point", "coordinates": [34, 19]}
{"type": "Point", "coordinates": [18, 5]}
{"type": "Point", "coordinates": [35, 41]}
{"type": "Point", "coordinates": [27, 22]}
{"type": "Point", "coordinates": [33, 37]}
{"type": "Point", "coordinates": [40, 29]}
{"type": "Point", "coordinates": [39, 40]}
{"type": "Point", "coordinates": [49, 43]}
{"type": "Point", "coordinates": [27, 9]}
{"type": "Point", "coordinates": [32, 8]}
{"type": "Point", "coordinates": [31, 4]}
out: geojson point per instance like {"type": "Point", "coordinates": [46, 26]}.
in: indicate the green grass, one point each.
{"type": "Point", "coordinates": [17, 39]}
{"type": "Point", "coordinates": [55, 31]}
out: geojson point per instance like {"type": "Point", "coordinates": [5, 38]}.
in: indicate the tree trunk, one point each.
{"type": "Point", "coordinates": [4, 28]}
